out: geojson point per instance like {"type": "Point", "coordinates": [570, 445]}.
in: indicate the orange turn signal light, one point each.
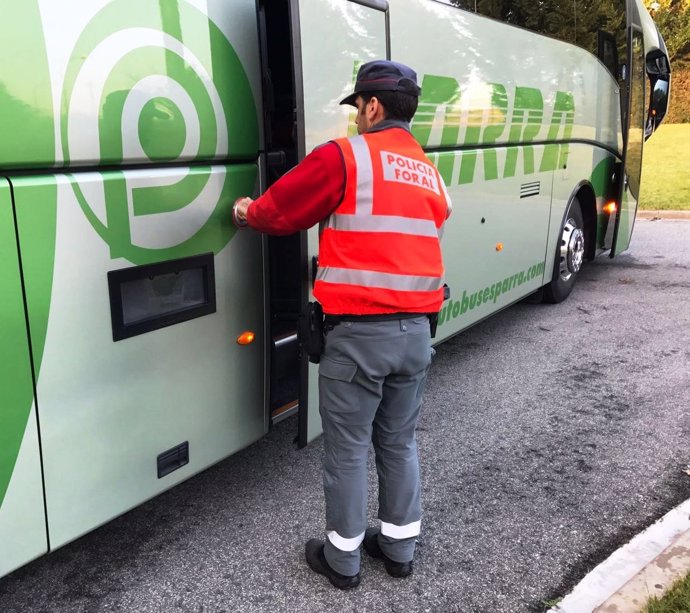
{"type": "Point", "coordinates": [610, 208]}
{"type": "Point", "coordinates": [499, 246]}
{"type": "Point", "coordinates": [246, 338]}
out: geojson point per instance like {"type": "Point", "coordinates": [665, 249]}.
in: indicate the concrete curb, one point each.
{"type": "Point", "coordinates": [645, 567]}
{"type": "Point", "coordinates": [663, 214]}
{"type": "Point", "coordinates": [653, 580]}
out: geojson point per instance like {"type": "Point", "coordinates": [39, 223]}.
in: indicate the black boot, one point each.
{"type": "Point", "coordinates": [318, 563]}
{"type": "Point", "coordinates": [393, 568]}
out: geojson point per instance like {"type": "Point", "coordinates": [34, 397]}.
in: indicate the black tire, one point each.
{"type": "Point", "coordinates": [569, 255]}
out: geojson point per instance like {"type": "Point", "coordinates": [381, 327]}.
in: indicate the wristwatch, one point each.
{"type": "Point", "coordinates": [240, 223]}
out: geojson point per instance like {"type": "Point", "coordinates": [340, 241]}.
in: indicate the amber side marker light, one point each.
{"type": "Point", "coordinates": [499, 246]}
{"type": "Point", "coordinates": [246, 338]}
{"type": "Point", "coordinates": [610, 208]}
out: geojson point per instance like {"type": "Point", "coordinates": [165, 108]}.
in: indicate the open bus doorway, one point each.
{"type": "Point", "coordinates": [310, 51]}
{"type": "Point", "coordinates": [284, 254]}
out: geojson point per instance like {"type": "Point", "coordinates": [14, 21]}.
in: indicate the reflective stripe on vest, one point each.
{"type": "Point", "coordinates": [363, 219]}
{"type": "Point", "coordinates": [387, 280]}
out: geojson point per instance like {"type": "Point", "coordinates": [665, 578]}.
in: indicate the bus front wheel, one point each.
{"type": "Point", "coordinates": [570, 253]}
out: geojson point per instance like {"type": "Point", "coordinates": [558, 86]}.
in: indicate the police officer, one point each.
{"type": "Point", "coordinates": [382, 206]}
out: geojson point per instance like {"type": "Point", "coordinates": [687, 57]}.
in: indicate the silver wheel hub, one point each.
{"type": "Point", "coordinates": [572, 250]}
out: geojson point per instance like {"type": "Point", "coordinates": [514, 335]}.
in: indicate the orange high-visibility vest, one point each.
{"type": "Point", "coordinates": [380, 251]}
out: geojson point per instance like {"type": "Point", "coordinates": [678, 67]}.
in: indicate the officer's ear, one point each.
{"type": "Point", "coordinates": [375, 110]}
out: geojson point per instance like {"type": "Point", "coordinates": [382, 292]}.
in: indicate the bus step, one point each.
{"type": "Point", "coordinates": [287, 410]}
{"type": "Point", "coordinates": [284, 375]}
{"type": "Point", "coordinates": [285, 355]}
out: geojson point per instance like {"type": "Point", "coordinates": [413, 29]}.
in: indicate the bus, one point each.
{"type": "Point", "coordinates": [143, 338]}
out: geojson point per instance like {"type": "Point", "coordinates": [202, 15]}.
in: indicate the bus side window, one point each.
{"type": "Point", "coordinates": [607, 51]}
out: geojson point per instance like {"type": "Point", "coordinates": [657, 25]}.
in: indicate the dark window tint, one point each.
{"type": "Point", "coordinates": [574, 21]}
{"type": "Point", "coordinates": [607, 50]}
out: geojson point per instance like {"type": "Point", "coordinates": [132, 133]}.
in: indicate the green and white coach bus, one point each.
{"type": "Point", "coordinates": [142, 338]}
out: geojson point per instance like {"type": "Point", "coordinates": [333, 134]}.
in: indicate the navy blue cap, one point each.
{"type": "Point", "coordinates": [384, 76]}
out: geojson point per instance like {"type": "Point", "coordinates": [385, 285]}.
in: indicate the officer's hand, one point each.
{"type": "Point", "coordinates": [239, 211]}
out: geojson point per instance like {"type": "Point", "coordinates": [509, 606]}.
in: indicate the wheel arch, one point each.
{"type": "Point", "coordinates": [584, 192]}
{"type": "Point", "coordinates": [582, 198]}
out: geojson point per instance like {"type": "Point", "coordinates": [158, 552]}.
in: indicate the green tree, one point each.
{"type": "Point", "coordinates": [576, 21]}
{"type": "Point", "coordinates": [672, 17]}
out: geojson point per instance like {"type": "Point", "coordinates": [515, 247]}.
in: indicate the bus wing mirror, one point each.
{"type": "Point", "coordinates": [658, 104]}
{"type": "Point", "coordinates": [659, 73]}
{"type": "Point", "coordinates": [657, 65]}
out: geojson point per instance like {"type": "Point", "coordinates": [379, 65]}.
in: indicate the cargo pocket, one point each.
{"type": "Point", "coordinates": [422, 384]}
{"type": "Point", "coordinates": [337, 392]}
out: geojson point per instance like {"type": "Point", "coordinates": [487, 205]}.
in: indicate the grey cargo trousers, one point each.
{"type": "Point", "coordinates": [371, 378]}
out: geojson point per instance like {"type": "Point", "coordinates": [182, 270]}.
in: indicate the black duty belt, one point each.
{"type": "Point", "coordinates": [334, 320]}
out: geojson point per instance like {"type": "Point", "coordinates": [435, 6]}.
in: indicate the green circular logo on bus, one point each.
{"type": "Point", "coordinates": [138, 93]}
{"type": "Point", "coordinates": [162, 129]}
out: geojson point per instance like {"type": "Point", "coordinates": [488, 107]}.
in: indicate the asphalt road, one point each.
{"type": "Point", "coordinates": [550, 436]}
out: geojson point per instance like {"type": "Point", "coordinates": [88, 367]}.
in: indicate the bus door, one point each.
{"type": "Point", "coordinates": [22, 512]}
{"type": "Point", "coordinates": [633, 138]}
{"type": "Point", "coordinates": [329, 42]}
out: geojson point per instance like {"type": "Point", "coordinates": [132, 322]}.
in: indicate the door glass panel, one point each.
{"type": "Point", "coordinates": [633, 145]}
{"type": "Point", "coordinates": [633, 164]}
{"type": "Point", "coordinates": [335, 39]}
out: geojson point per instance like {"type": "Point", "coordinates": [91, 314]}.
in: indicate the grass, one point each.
{"type": "Point", "coordinates": [549, 604]}
{"type": "Point", "coordinates": [666, 169]}
{"type": "Point", "coordinates": [676, 600]}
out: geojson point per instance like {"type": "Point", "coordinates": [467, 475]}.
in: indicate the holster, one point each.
{"type": "Point", "coordinates": [311, 332]}
{"type": "Point", "coordinates": [433, 317]}
{"type": "Point", "coordinates": [433, 323]}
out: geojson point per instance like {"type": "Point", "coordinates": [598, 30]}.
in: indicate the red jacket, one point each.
{"type": "Point", "coordinates": [303, 197]}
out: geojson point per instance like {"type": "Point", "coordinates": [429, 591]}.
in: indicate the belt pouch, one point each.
{"type": "Point", "coordinates": [311, 333]}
